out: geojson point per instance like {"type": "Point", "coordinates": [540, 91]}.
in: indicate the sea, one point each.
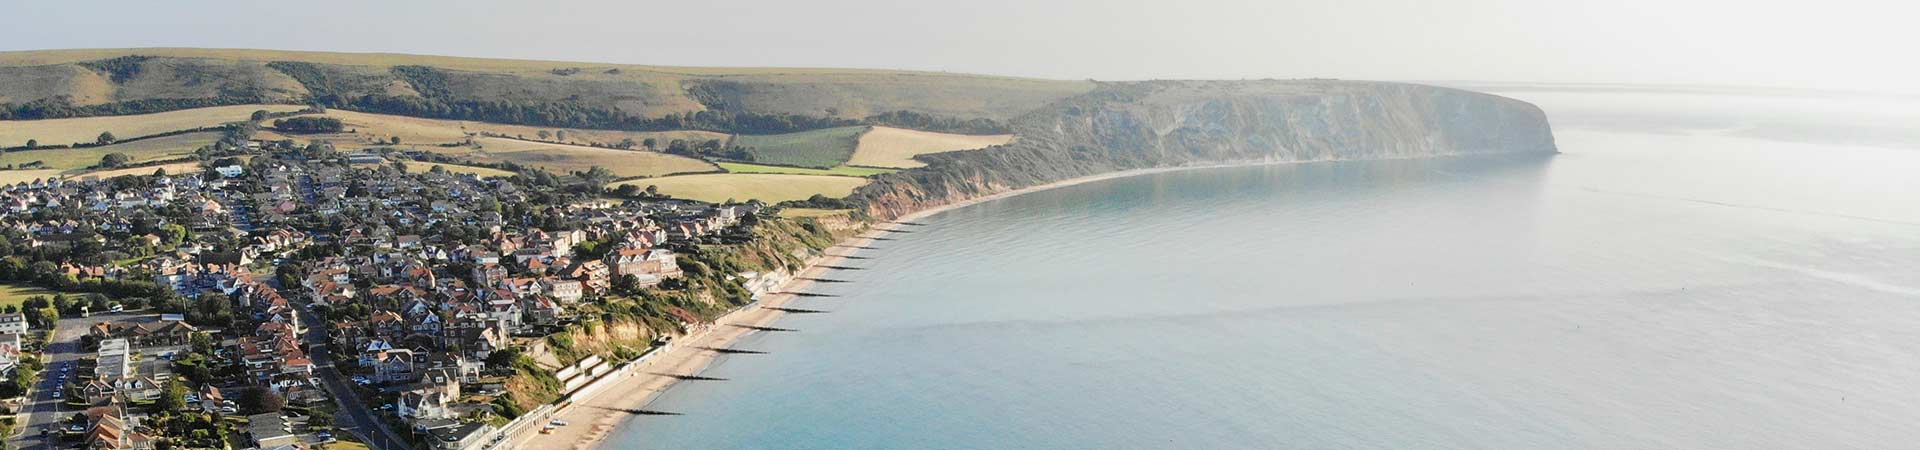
{"type": "Point", "coordinates": [1697, 268]}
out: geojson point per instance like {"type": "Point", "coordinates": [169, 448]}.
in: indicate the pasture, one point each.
{"type": "Point", "coordinates": [824, 148]}
{"type": "Point", "coordinates": [14, 133]}
{"type": "Point", "coordinates": [12, 177]}
{"type": "Point", "coordinates": [896, 147]}
{"type": "Point", "coordinates": [845, 171]}
{"type": "Point", "coordinates": [771, 188]}
{"type": "Point", "coordinates": [561, 159]}
{"type": "Point", "coordinates": [483, 172]}
{"type": "Point", "coordinates": [175, 168]}
{"type": "Point", "coordinates": [371, 130]}
{"type": "Point", "coordinates": [160, 148]}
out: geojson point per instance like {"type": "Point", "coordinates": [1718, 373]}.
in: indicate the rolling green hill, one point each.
{"type": "Point", "coordinates": [66, 83]}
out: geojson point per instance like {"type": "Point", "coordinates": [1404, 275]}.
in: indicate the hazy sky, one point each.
{"type": "Point", "coordinates": [1835, 44]}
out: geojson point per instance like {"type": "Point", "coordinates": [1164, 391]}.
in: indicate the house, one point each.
{"type": "Point", "coordinates": [270, 430]}
{"type": "Point", "coordinates": [462, 436]}
{"type": "Point", "coordinates": [15, 323]}
{"type": "Point", "coordinates": [230, 170]}
{"type": "Point", "coordinates": [110, 432]}
{"type": "Point", "coordinates": [396, 367]}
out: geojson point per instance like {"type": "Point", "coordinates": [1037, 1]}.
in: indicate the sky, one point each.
{"type": "Point", "coordinates": [1831, 44]}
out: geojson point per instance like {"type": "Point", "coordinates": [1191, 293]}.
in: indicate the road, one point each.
{"type": "Point", "coordinates": [354, 416]}
{"type": "Point", "coordinates": [42, 409]}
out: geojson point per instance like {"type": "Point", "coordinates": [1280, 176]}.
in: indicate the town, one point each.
{"type": "Point", "coordinates": [286, 293]}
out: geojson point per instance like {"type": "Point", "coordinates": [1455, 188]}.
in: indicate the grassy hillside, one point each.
{"type": "Point", "coordinates": [849, 171]}
{"type": "Point", "coordinates": [818, 148]}
{"type": "Point", "coordinates": [483, 172]}
{"type": "Point", "coordinates": [14, 133]}
{"type": "Point", "coordinates": [169, 147]}
{"type": "Point", "coordinates": [81, 77]}
{"type": "Point", "coordinates": [896, 147]}
{"type": "Point", "coordinates": [563, 159]}
{"type": "Point", "coordinates": [743, 187]}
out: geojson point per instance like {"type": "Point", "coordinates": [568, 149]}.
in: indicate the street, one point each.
{"type": "Point", "coordinates": [353, 417]}
{"type": "Point", "coordinates": [41, 408]}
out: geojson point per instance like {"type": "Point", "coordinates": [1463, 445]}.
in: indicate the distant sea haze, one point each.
{"type": "Point", "coordinates": [1747, 281]}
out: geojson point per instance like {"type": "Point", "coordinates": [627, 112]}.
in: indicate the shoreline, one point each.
{"type": "Point", "coordinates": [605, 409]}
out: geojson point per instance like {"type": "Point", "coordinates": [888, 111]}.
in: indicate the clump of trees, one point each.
{"type": "Point", "coordinates": [310, 125]}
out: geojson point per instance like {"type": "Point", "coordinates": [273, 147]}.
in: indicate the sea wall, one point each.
{"type": "Point", "coordinates": [1123, 126]}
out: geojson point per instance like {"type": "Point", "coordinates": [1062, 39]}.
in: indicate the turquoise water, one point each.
{"type": "Point", "coordinates": [1661, 286]}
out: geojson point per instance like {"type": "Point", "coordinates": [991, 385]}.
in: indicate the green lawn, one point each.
{"type": "Point", "coordinates": [14, 295]}
{"type": "Point", "coordinates": [847, 171]}
{"type": "Point", "coordinates": [825, 148]}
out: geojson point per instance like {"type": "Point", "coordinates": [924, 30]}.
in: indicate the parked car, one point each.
{"type": "Point", "coordinates": [57, 394]}
{"type": "Point", "coordinates": [228, 410]}
{"type": "Point", "coordinates": [557, 423]}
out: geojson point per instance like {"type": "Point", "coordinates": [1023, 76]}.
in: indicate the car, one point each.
{"type": "Point", "coordinates": [76, 428]}
{"type": "Point", "coordinates": [324, 436]}
{"type": "Point", "coordinates": [228, 410]}
{"type": "Point", "coordinates": [386, 407]}
{"type": "Point", "coordinates": [546, 430]}
{"type": "Point", "coordinates": [557, 423]}
{"type": "Point", "coordinates": [57, 395]}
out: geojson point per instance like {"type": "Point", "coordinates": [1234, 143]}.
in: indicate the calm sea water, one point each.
{"type": "Point", "coordinates": [1694, 271]}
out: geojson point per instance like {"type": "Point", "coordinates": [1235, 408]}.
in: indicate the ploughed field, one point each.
{"type": "Point", "coordinates": [87, 129]}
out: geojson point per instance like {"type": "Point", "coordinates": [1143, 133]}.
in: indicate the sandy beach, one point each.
{"type": "Point", "coordinates": [593, 417]}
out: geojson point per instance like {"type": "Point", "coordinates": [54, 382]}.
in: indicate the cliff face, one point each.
{"type": "Point", "coordinates": [1164, 123]}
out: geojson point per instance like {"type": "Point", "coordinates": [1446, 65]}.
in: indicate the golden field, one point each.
{"type": "Point", "coordinates": [143, 150]}
{"type": "Point", "coordinates": [896, 147]}
{"type": "Point", "coordinates": [561, 159]}
{"type": "Point", "coordinates": [14, 133]}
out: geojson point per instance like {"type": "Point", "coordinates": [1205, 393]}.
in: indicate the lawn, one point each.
{"type": "Point", "coordinates": [483, 172]}
{"type": "Point", "coordinates": [847, 171]}
{"type": "Point", "coordinates": [822, 149]}
{"type": "Point", "coordinates": [14, 133]}
{"type": "Point", "coordinates": [771, 188]}
{"type": "Point", "coordinates": [161, 148]}
{"type": "Point", "coordinates": [563, 159]}
{"type": "Point", "coordinates": [896, 147]}
{"type": "Point", "coordinates": [14, 295]}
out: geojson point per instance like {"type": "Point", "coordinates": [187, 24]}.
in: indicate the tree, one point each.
{"type": "Point", "coordinates": [261, 400]}
{"type": "Point", "coordinates": [625, 144]}
{"type": "Point", "coordinates": [106, 137]}
{"type": "Point", "coordinates": [653, 190]}
{"type": "Point", "coordinates": [175, 398]}
{"type": "Point", "coordinates": [650, 144]}
{"type": "Point", "coordinates": [560, 135]}
{"type": "Point", "coordinates": [31, 143]}
{"type": "Point", "coordinates": [396, 140]}
{"type": "Point", "coordinates": [627, 190]}
{"type": "Point", "coordinates": [320, 419]}
{"type": "Point", "coordinates": [260, 115]}
{"type": "Point", "coordinates": [543, 134]}
{"type": "Point", "coordinates": [116, 159]}
{"type": "Point", "coordinates": [160, 172]}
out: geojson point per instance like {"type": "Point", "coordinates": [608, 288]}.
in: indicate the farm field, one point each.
{"type": "Point", "coordinates": [771, 188]}
{"type": "Point", "coordinates": [847, 171]}
{"type": "Point", "coordinates": [896, 147]}
{"type": "Point", "coordinates": [369, 130]}
{"type": "Point", "coordinates": [562, 159]}
{"type": "Point", "coordinates": [11, 177]}
{"type": "Point", "coordinates": [175, 168]}
{"type": "Point", "coordinates": [14, 133]}
{"type": "Point", "coordinates": [424, 167]}
{"type": "Point", "coordinates": [824, 148]}
{"type": "Point", "coordinates": [169, 147]}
